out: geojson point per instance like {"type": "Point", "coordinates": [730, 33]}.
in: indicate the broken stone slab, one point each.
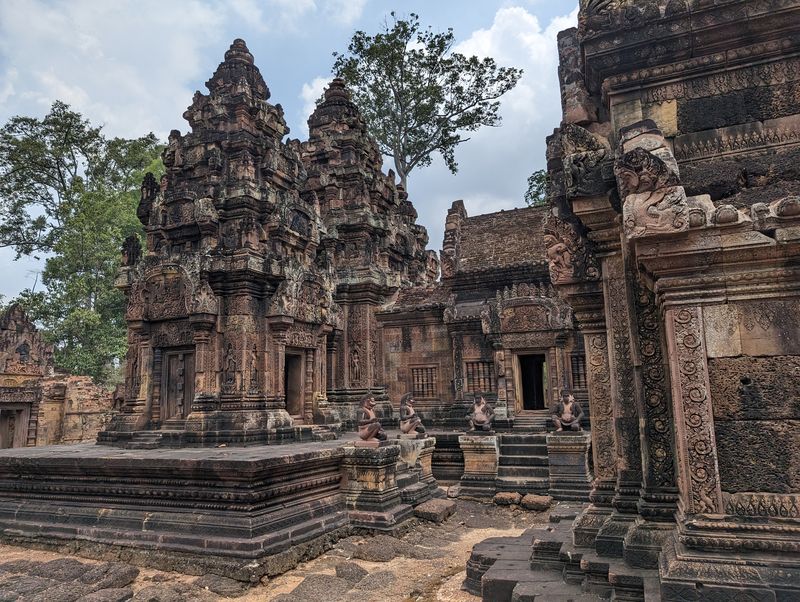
{"type": "Point", "coordinates": [539, 503]}
{"type": "Point", "coordinates": [113, 594]}
{"type": "Point", "coordinates": [435, 510]}
{"type": "Point", "coordinates": [224, 586]}
{"type": "Point", "coordinates": [351, 572]}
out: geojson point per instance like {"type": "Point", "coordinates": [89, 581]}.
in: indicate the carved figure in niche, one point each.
{"type": "Point", "coordinates": [559, 257]}
{"type": "Point", "coordinates": [214, 158]}
{"type": "Point", "coordinates": [131, 250]}
{"type": "Point", "coordinates": [173, 156]}
{"type": "Point", "coordinates": [248, 235]}
{"type": "Point", "coordinates": [301, 224]}
{"type": "Point", "coordinates": [355, 366]}
{"type": "Point", "coordinates": [24, 353]}
{"type": "Point", "coordinates": [481, 416]}
{"type": "Point", "coordinates": [149, 192]}
{"type": "Point", "coordinates": [204, 211]}
{"type": "Point", "coordinates": [254, 369]}
{"type": "Point", "coordinates": [409, 419]}
{"type": "Point", "coordinates": [567, 413]}
{"type": "Point", "coordinates": [369, 428]}
{"type": "Point", "coordinates": [229, 370]}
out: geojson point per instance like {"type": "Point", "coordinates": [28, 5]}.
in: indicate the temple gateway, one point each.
{"type": "Point", "coordinates": [285, 302]}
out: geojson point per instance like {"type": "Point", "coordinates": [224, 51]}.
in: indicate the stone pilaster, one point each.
{"type": "Point", "coordinates": [659, 494]}
{"type": "Point", "coordinates": [694, 416]}
{"type": "Point", "coordinates": [603, 434]}
{"type": "Point", "coordinates": [612, 534]}
{"type": "Point", "coordinates": [481, 457]}
{"type": "Point", "coordinates": [568, 454]}
{"type": "Point", "coordinates": [369, 487]}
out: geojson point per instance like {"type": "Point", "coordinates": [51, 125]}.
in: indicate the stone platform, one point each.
{"type": "Point", "coordinates": [543, 564]}
{"type": "Point", "coordinates": [245, 511]}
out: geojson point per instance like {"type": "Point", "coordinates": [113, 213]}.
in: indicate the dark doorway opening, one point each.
{"type": "Point", "coordinates": [13, 427]}
{"type": "Point", "coordinates": [177, 384]}
{"type": "Point", "coordinates": [293, 384]}
{"type": "Point", "coordinates": [532, 371]}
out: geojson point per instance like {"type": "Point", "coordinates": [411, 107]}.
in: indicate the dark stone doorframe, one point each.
{"type": "Point", "coordinates": [294, 382]}
{"type": "Point", "coordinates": [533, 381]}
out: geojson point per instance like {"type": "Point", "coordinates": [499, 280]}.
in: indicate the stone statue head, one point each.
{"type": "Point", "coordinates": [368, 401]}
{"type": "Point", "coordinates": [407, 400]}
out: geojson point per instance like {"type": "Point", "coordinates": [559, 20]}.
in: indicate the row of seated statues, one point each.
{"type": "Point", "coordinates": [567, 414]}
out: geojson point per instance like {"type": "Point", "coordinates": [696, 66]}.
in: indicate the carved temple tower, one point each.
{"type": "Point", "coordinates": [372, 239]}
{"type": "Point", "coordinates": [674, 237]}
{"type": "Point", "coordinates": [230, 306]}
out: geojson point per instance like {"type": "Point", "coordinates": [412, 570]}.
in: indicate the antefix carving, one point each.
{"type": "Point", "coordinates": [653, 202]}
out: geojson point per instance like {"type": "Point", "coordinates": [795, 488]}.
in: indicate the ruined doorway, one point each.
{"type": "Point", "coordinates": [13, 427]}
{"type": "Point", "coordinates": [533, 379]}
{"type": "Point", "coordinates": [177, 384]}
{"type": "Point", "coordinates": [293, 384]}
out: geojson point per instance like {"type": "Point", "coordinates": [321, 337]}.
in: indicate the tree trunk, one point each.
{"type": "Point", "coordinates": [401, 173]}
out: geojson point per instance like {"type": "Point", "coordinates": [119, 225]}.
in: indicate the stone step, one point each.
{"type": "Point", "coordinates": [612, 576]}
{"type": "Point", "coordinates": [523, 449]}
{"type": "Point", "coordinates": [528, 438]}
{"type": "Point", "coordinates": [487, 552]}
{"type": "Point", "coordinates": [523, 460]}
{"type": "Point", "coordinates": [522, 485]}
{"type": "Point", "coordinates": [415, 493]}
{"type": "Point", "coordinates": [537, 472]}
{"type": "Point", "coordinates": [551, 591]}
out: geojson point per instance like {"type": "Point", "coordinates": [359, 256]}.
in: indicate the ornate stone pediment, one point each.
{"type": "Point", "coordinates": [162, 296]}
{"type": "Point", "coordinates": [22, 350]}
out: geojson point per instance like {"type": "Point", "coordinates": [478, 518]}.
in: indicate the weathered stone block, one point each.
{"type": "Point", "coordinates": [507, 498]}
{"type": "Point", "coordinates": [539, 503]}
{"type": "Point", "coordinates": [436, 510]}
{"type": "Point", "coordinates": [758, 455]}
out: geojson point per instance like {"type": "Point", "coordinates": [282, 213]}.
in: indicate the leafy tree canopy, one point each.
{"type": "Point", "coordinates": [536, 194]}
{"type": "Point", "coordinates": [416, 95]}
{"type": "Point", "coordinates": [71, 193]}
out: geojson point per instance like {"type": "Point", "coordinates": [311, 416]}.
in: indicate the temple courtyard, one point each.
{"type": "Point", "coordinates": [425, 563]}
{"type": "Point", "coordinates": [593, 397]}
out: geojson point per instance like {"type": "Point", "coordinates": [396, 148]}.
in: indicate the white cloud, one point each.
{"type": "Point", "coordinates": [7, 86]}
{"type": "Point", "coordinates": [133, 66]}
{"type": "Point", "coordinates": [495, 164]}
{"type": "Point", "coordinates": [344, 12]}
{"type": "Point", "coordinates": [309, 94]}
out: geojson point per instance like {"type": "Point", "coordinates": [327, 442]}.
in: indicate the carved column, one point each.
{"type": "Point", "coordinates": [598, 376]}
{"type": "Point", "coordinates": [659, 494]}
{"type": "Point", "coordinates": [694, 419]}
{"type": "Point", "coordinates": [611, 536]}
{"type": "Point", "coordinates": [205, 364]}
{"type": "Point", "coordinates": [458, 367]}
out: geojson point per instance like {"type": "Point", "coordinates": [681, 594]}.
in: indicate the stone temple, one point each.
{"type": "Point", "coordinates": [283, 282]}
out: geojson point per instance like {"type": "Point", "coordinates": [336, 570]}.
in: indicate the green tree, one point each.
{"type": "Point", "coordinates": [77, 208]}
{"type": "Point", "coordinates": [536, 194]}
{"type": "Point", "coordinates": [416, 95]}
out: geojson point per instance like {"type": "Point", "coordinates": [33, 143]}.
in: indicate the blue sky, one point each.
{"type": "Point", "coordinates": [133, 66]}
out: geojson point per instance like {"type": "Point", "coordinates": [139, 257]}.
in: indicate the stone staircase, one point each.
{"type": "Point", "coordinates": [543, 564]}
{"type": "Point", "coordinates": [144, 440]}
{"type": "Point", "coordinates": [532, 422]}
{"type": "Point", "coordinates": [523, 463]}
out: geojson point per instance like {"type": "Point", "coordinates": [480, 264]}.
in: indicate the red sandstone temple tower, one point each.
{"type": "Point", "coordinates": [230, 305]}
{"type": "Point", "coordinates": [373, 239]}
